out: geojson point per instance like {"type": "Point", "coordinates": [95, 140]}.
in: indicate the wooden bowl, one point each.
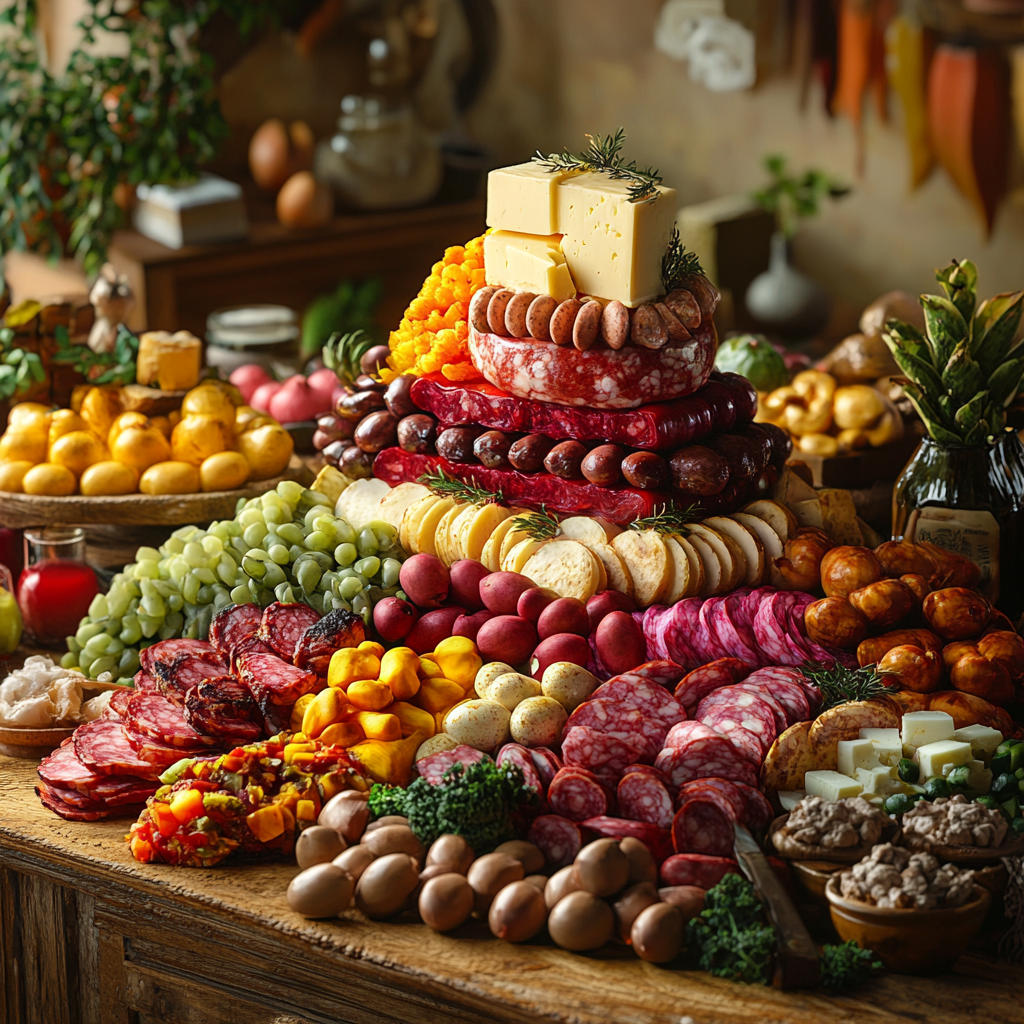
{"type": "Point", "coordinates": [33, 744]}
{"type": "Point", "coordinates": [811, 877]}
{"type": "Point", "coordinates": [786, 847]}
{"type": "Point", "coordinates": [968, 856]}
{"type": "Point", "coordinates": [909, 941]}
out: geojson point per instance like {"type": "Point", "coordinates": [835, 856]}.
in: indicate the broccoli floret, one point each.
{"type": "Point", "coordinates": [846, 967]}
{"type": "Point", "coordinates": [386, 800]}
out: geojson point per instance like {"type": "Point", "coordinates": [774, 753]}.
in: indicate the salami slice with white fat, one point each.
{"type": "Point", "coordinates": [664, 672]}
{"type": "Point", "coordinates": [103, 748]}
{"type": "Point", "coordinates": [598, 751]}
{"type": "Point", "coordinates": [156, 717]}
{"type": "Point", "coordinates": [155, 753]}
{"type": "Point", "coordinates": [282, 626]}
{"type": "Point", "coordinates": [697, 869]}
{"type": "Point", "coordinates": [705, 824]}
{"type": "Point", "coordinates": [696, 751]}
{"type": "Point", "coordinates": [433, 766]}
{"type": "Point", "coordinates": [558, 838]}
{"type": "Point", "coordinates": [650, 621]}
{"type": "Point", "coordinates": [72, 797]}
{"type": "Point", "coordinates": [682, 632]}
{"type": "Point", "coordinates": [123, 790]}
{"type": "Point", "coordinates": [749, 743]}
{"type": "Point", "coordinates": [273, 680]}
{"type": "Point", "coordinates": [232, 625]}
{"type": "Point", "coordinates": [165, 651]}
{"type": "Point", "coordinates": [746, 708]}
{"type": "Point", "coordinates": [117, 706]}
{"type": "Point", "coordinates": [176, 676]}
{"type": "Point", "coordinates": [547, 764]}
{"type": "Point", "coordinates": [224, 708]}
{"type": "Point", "coordinates": [696, 685]}
{"type": "Point", "coordinates": [577, 795]}
{"type": "Point", "coordinates": [144, 681]}
{"type": "Point", "coordinates": [750, 805]}
{"type": "Point", "coordinates": [643, 797]}
{"type": "Point", "coordinates": [64, 768]}
{"type": "Point", "coordinates": [782, 722]}
{"type": "Point", "coordinates": [707, 642]}
{"type": "Point", "coordinates": [515, 753]}
{"type": "Point", "coordinates": [624, 723]}
{"type": "Point", "coordinates": [50, 799]}
{"type": "Point", "coordinates": [657, 840]}
{"type": "Point", "coordinates": [735, 631]}
{"type": "Point", "coordinates": [653, 700]}
{"type": "Point", "coordinates": [771, 631]}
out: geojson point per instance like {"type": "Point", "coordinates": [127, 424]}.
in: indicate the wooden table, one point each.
{"type": "Point", "coordinates": [88, 935]}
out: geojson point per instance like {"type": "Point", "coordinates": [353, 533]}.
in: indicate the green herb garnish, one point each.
{"type": "Point", "coordinates": [847, 966]}
{"type": "Point", "coordinates": [670, 518]}
{"type": "Point", "coordinates": [540, 525]}
{"type": "Point", "coordinates": [677, 263]}
{"type": "Point", "coordinates": [841, 685]}
{"type": "Point", "coordinates": [461, 490]}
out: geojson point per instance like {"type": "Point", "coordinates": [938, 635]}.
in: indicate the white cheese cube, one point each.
{"type": "Point", "coordinates": [932, 757]}
{"type": "Point", "coordinates": [920, 728]}
{"type": "Point", "coordinates": [982, 738]}
{"type": "Point", "coordinates": [980, 778]}
{"type": "Point", "coordinates": [528, 263]}
{"type": "Point", "coordinates": [830, 785]}
{"type": "Point", "coordinates": [523, 197]}
{"type": "Point", "coordinates": [854, 754]}
{"type": "Point", "coordinates": [888, 745]}
{"type": "Point", "coordinates": [789, 798]}
{"type": "Point", "coordinates": [881, 780]}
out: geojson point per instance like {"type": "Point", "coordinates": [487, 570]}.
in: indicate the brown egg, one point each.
{"type": "Point", "coordinates": [268, 154]}
{"type": "Point", "coordinates": [324, 890]}
{"type": "Point", "coordinates": [848, 568]}
{"type": "Point", "coordinates": [386, 884]}
{"type": "Point", "coordinates": [355, 860]}
{"type": "Point", "coordinates": [304, 202]}
{"type": "Point", "coordinates": [642, 866]}
{"type": "Point", "coordinates": [489, 874]}
{"type": "Point", "coordinates": [446, 901]}
{"type": "Point", "coordinates": [628, 905]}
{"type": "Point", "coordinates": [561, 883]}
{"type": "Point", "coordinates": [347, 812]}
{"type": "Point", "coordinates": [581, 921]}
{"type": "Point", "coordinates": [526, 853]}
{"type": "Point", "coordinates": [602, 868]}
{"type": "Point", "coordinates": [394, 839]}
{"type": "Point", "coordinates": [518, 912]}
{"type": "Point", "coordinates": [452, 852]}
{"type": "Point", "coordinates": [318, 845]}
{"type": "Point", "coordinates": [658, 933]}
{"type": "Point", "coordinates": [688, 898]}
{"type": "Point", "coordinates": [388, 819]}
{"type": "Point", "coordinates": [537, 881]}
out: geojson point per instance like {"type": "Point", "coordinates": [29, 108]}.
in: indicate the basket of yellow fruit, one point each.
{"type": "Point", "coordinates": [97, 463]}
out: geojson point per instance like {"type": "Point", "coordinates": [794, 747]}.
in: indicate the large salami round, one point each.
{"type": "Point", "coordinates": [63, 768]}
{"type": "Point", "coordinates": [696, 685]}
{"type": "Point", "coordinates": [156, 717]}
{"type": "Point", "coordinates": [557, 838]}
{"type": "Point", "coordinates": [645, 798]}
{"type": "Point", "coordinates": [103, 747]}
{"type": "Point", "coordinates": [782, 722]}
{"type": "Point", "coordinates": [707, 642]}
{"type": "Point", "coordinates": [514, 753]}
{"type": "Point", "coordinates": [433, 766]}
{"type": "Point", "coordinates": [653, 700]}
{"type": "Point", "coordinates": [702, 755]}
{"type": "Point", "coordinates": [337, 629]}
{"type": "Point", "coordinates": [72, 797]}
{"type": "Point", "coordinates": [789, 688]}
{"type": "Point", "coordinates": [704, 824]}
{"type": "Point", "coordinates": [735, 631]}
{"type": "Point", "coordinates": [576, 794]}
{"type": "Point", "coordinates": [232, 625]}
{"type": "Point", "coordinates": [144, 681]}
{"type": "Point", "coordinates": [749, 744]}
{"type": "Point", "coordinates": [600, 377]}
{"type": "Point", "coordinates": [282, 626]}
{"type": "Point", "coordinates": [697, 869]}
{"type": "Point", "coordinates": [597, 751]}
{"type": "Point", "coordinates": [753, 713]}
{"type": "Point", "coordinates": [547, 764]}
{"type": "Point", "coordinates": [657, 840]}
{"type": "Point", "coordinates": [724, 788]}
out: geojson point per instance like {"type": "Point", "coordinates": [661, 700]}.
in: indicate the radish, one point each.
{"type": "Point", "coordinates": [261, 397]}
{"type": "Point", "coordinates": [297, 402]}
{"type": "Point", "coordinates": [248, 378]}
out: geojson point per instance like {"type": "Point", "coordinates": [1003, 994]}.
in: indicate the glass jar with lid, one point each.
{"type": "Point", "coordinates": [258, 333]}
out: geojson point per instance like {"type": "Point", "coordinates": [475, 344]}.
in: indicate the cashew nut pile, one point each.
{"type": "Point", "coordinates": [835, 823]}
{"type": "Point", "coordinates": [891, 876]}
{"type": "Point", "coordinates": [955, 821]}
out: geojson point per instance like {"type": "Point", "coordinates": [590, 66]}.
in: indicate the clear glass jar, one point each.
{"type": "Point", "coordinates": [261, 333]}
{"type": "Point", "coordinates": [56, 586]}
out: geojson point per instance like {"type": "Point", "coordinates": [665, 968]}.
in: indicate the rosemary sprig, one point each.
{"type": "Point", "coordinates": [677, 262]}
{"type": "Point", "coordinates": [603, 155]}
{"type": "Point", "coordinates": [670, 518]}
{"type": "Point", "coordinates": [840, 685]}
{"type": "Point", "coordinates": [540, 525]}
{"type": "Point", "coordinates": [461, 490]}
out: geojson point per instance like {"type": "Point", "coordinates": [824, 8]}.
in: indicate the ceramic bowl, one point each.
{"type": "Point", "coordinates": [33, 744]}
{"type": "Point", "coordinates": [811, 877]}
{"type": "Point", "coordinates": [909, 941]}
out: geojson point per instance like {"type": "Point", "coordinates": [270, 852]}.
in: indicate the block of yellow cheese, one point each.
{"type": "Point", "coordinates": [523, 198]}
{"type": "Point", "coordinates": [528, 263]}
{"type": "Point", "coordinates": [172, 362]}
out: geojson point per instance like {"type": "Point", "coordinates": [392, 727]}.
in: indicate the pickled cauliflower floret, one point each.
{"type": "Point", "coordinates": [891, 876]}
{"type": "Point", "coordinates": [835, 823]}
{"type": "Point", "coordinates": [954, 821]}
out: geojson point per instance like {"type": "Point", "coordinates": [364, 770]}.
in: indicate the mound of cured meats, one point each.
{"type": "Point", "coordinates": [191, 698]}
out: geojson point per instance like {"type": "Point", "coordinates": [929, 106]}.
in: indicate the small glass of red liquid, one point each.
{"type": "Point", "coordinates": [56, 586]}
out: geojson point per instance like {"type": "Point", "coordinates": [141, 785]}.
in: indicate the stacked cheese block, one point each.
{"type": "Point", "coordinates": [598, 395]}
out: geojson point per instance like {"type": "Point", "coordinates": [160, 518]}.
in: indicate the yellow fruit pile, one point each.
{"type": "Point", "coordinates": [211, 444]}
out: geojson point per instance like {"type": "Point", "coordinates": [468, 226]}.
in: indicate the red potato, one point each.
{"type": "Point", "coordinates": [506, 638]}
{"type": "Point", "coordinates": [566, 615]}
{"type": "Point", "coordinates": [500, 591]}
{"type": "Point", "coordinates": [469, 625]}
{"type": "Point", "coordinates": [466, 576]}
{"type": "Point", "coordinates": [560, 647]}
{"type": "Point", "coordinates": [425, 578]}
{"type": "Point", "coordinates": [393, 619]}
{"type": "Point", "coordinates": [620, 643]}
{"type": "Point", "coordinates": [533, 602]}
{"type": "Point", "coordinates": [607, 601]}
{"type": "Point", "coordinates": [433, 627]}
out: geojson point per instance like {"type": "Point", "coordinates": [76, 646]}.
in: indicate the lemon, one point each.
{"type": "Point", "coordinates": [208, 400]}
{"type": "Point", "coordinates": [267, 449]}
{"type": "Point", "coordinates": [122, 423]}
{"type": "Point", "coordinates": [78, 451]}
{"type": "Point", "coordinates": [198, 436]}
{"type": "Point", "coordinates": [109, 477]}
{"type": "Point", "coordinates": [170, 478]}
{"type": "Point", "coordinates": [163, 424]}
{"type": "Point", "coordinates": [29, 416]}
{"type": "Point", "coordinates": [20, 445]}
{"type": "Point", "coordinates": [62, 422]}
{"type": "Point", "coordinates": [12, 474]}
{"type": "Point", "coordinates": [49, 478]}
{"type": "Point", "coordinates": [100, 407]}
{"type": "Point", "coordinates": [141, 447]}
{"type": "Point", "coordinates": [224, 471]}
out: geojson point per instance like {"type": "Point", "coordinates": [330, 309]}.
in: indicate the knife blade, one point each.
{"type": "Point", "coordinates": [797, 959]}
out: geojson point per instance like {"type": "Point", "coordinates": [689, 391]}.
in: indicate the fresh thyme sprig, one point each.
{"type": "Point", "coordinates": [670, 518]}
{"type": "Point", "coordinates": [603, 155]}
{"type": "Point", "coordinates": [540, 525]}
{"type": "Point", "coordinates": [840, 685]}
{"type": "Point", "coordinates": [677, 262]}
{"type": "Point", "coordinates": [461, 490]}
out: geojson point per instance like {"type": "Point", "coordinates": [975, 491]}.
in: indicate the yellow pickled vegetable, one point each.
{"type": "Point", "coordinates": [368, 694]}
{"type": "Point", "coordinates": [458, 659]}
{"type": "Point", "coordinates": [343, 734]}
{"type": "Point", "coordinates": [398, 670]}
{"type": "Point", "coordinates": [439, 695]}
{"type": "Point", "coordinates": [378, 726]}
{"type": "Point", "coordinates": [413, 719]}
{"type": "Point", "coordinates": [352, 663]}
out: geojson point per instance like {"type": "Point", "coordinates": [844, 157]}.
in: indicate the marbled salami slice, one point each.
{"type": "Point", "coordinates": [750, 805]}
{"type": "Point", "coordinates": [707, 643]}
{"type": "Point", "coordinates": [515, 753]}
{"type": "Point", "coordinates": [232, 625]}
{"type": "Point", "coordinates": [103, 747]}
{"type": "Point", "coordinates": [735, 632]}
{"type": "Point", "coordinates": [653, 700]}
{"type": "Point", "coordinates": [650, 622]}
{"type": "Point", "coordinates": [165, 651]}
{"type": "Point", "coordinates": [763, 692]}
{"type": "Point", "coordinates": [684, 627]}
{"type": "Point", "coordinates": [704, 824]}
{"type": "Point", "coordinates": [547, 764]}
{"type": "Point", "coordinates": [156, 754]}
{"type": "Point", "coordinates": [747, 708]}
{"type": "Point", "coordinates": [749, 744]}
{"type": "Point", "coordinates": [73, 798]}
{"type": "Point", "coordinates": [51, 801]}
{"type": "Point", "coordinates": [598, 751]}
{"type": "Point", "coordinates": [156, 717]}
{"type": "Point", "coordinates": [273, 680]}
{"type": "Point", "coordinates": [662, 671]}
{"type": "Point", "coordinates": [724, 789]}
{"type": "Point", "coordinates": [223, 707]}
{"type": "Point", "coordinates": [790, 688]}
{"type": "Point", "coordinates": [433, 766]}
{"type": "Point", "coordinates": [645, 798]}
{"type": "Point", "coordinates": [657, 840]}
{"type": "Point", "coordinates": [574, 795]}
{"type": "Point", "coordinates": [704, 753]}
{"type": "Point", "coordinates": [557, 838]}
{"type": "Point", "coordinates": [63, 768]}
{"type": "Point", "coordinates": [647, 769]}
{"type": "Point", "coordinates": [697, 869]}
{"type": "Point", "coordinates": [250, 645]}
{"type": "Point", "coordinates": [117, 706]}
{"type": "Point", "coordinates": [772, 632]}
{"type": "Point", "coordinates": [318, 643]}
{"type": "Point", "coordinates": [123, 790]}
{"type": "Point", "coordinates": [624, 723]}
{"type": "Point", "coordinates": [696, 685]}
{"type": "Point", "coordinates": [176, 676]}
{"type": "Point", "coordinates": [282, 626]}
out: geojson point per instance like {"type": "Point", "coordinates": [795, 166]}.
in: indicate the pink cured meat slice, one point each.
{"type": "Point", "coordinates": [761, 691]}
{"type": "Point", "coordinates": [736, 634]}
{"type": "Point", "coordinates": [705, 755]}
{"type": "Point", "coordinates": [681, 636]}
{"type": "Point", "coordinates": [514, 753]}
{"type": "Point", "coordinates": [232, 625]}
{"type": "Point", "coordinates": [697, 869]}
{"type": "Point", "coordinates": [597, 751]}
{"type": "Point", "coordinates": [103, 747]}
{"type": "Point", "coordinates": [653, 700]}
{"type": "Point", "coordinates": [250, 645]}
{"type": "Point", "coordinates": [177, 676]}
{"type": "Point", "coordinates": [73, 798]}
{"type": "Point", "coordinates": [789, 696]}
{"type": "Point", "coordinates": [795, 618]}
{"type": "Point", "coordinates": [749, 743]}
{"type": "Point", "coordinates": [645, 798]}
{"type": "Point", "coordinates": [647, 769]}
{"type": "Point", "coordinates": [52, 801]}
{"type": "Point", "coordinates": [273, 680]}
{"type": "Point", "coordinates": [575, 796]}
{"type": "Point", "coordinates": [558, 838]}
{"type": "Point", "coordinates": [784, 684]}
{"type": "Point", "coordinates": [158, 754]}
{"type": "Point", "coordinates": [63, 768]}
{"type": "Point", "coordinates": [547, 764]}
{"type": "Point", "coordinates": [751, 805]}
{"type": "Point", "coordinates": [624, 723]}
{"type": "Point", "coordinates": [118, 703]}
{"type": "Point", "coordinates": [433, 766]}
{"type": "Point", "coordinates": [154, 716]}
{"type": "Point", "coordinates": [662, 671]}
{"type": "Point", "coordinates": [772, 632]}
{"type": "Point", "coordinates": [696, 685]}
{"type": "Point", "coordinates": [754, 712]}
{"type": "Point", "coordinates": [120, 790]}
{"type": "Point", "coordinates": [282, 626]}
{"type": "Point", "coordinates": [650, 622]}
{"type": "Point", "coordinates": [168, 650]}
{"type": "Point", "coordinates": [724, 789]}
{"type": "Point", "coordinates": [657, 840]}
{"type": "Point", "coordinates": [144, 681]}
{"type": "Point", "coordinates": [704, 824]}
{"type": "Point", "coordinates": [707, 642]}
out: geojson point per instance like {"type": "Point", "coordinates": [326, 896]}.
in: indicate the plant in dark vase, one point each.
{"type": "Point", "coordinates": [963, 488]}
{"type": "Point", "coordinates": [784, 301]}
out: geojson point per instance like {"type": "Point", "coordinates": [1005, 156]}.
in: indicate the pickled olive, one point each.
{"type": "Point", "coordinates": [565, 460]}
{"type": "Point", "coordinates": [847, 568]}
{"type": "Point", "coordinates": [364, 382]}
{"type": "Point", "coordinates": [398, 396]}
{"type": "Point", "coordinates": [334, 427]}
{"type": "Point", "coordinates": [362, 403]}
{"type": "Point", "coordinates": [833, 620]}
{"type": "Point", "coordinates": [781, 442]}
{"type": "Point", "coordinates": [333, 452]}
{"type": "Point", "coordinates": [416, 433]}
{"type": "Point", "coordinates": [699, 470]}
{"type": "Point", "coordinates": [376, 432]}
{"type": "Point", "coordinates": [628, 905]}
{"type": "Point", "coordinates": [956, 613]}
{"type": "Point", "coordinates": [374, 359]}
{"type": "Point", "coordinates": [456, 443]}
{"type": "Point", "coordinates": [489, 874]}
{"type": "Point", "coordinates": [356, 463]}
{"type": "Point", "coordinates": [528, 453]}
{"type": "Point", "coordinates": [491, 448]}
{"type": "Point", "coordinates": [885, 603]}
{"type": "Point", "coordinates": [385, 884]}
{"type": "Point", "coordinates": [526, 853]}
{"type": "Point", "coordinates": [603, 465]}
{"type": "Point", "coordinates": [645, 470]}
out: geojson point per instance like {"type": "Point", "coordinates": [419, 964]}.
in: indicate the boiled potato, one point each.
{"type": "Point", "coordinates": [62, 422]}
{"type": "Point", "coordinates": [50, 479]}
{"type": "Point", "coordinates": [247, 418]}
{"type": "Point", "coordinates": [100, 407]}
{"type": "Point", "coordinates": [267, 449]}
{"type": "Point", "coordinates": [481, 724]}
{"type": "Point", "coordinates": [163, 424]}
{"type": "Point", "coordinates": [29, 416]}
{"type": "Point", "coordinates": [78, 450]}
{"type": "Point", "coordinates": [198, 436]}
{"type": "Point", "coordinates": [12, 474]}
{"type": "Point", "coordinates": [140, 447]}
{"type": "Point", "coordinates": [170, 477]}
{"type": "Point", "coordinates": [537, 722]}
{"type": "Point", "coordinates": [19, 445]}
{"type": "Point", "coordinates": [208, 400]}
{"type": "Point", "coordinates": [569, 684]}
{"type": "Point", "coordinates": [224, 471]}
{"type": "Point", "coordinates": [511, 689]}
{"type": "Point", "coordinates": [109, 477]}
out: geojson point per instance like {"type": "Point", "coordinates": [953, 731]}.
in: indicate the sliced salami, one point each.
{"type": "Point", "coordinates": [103, 747]}
{"type": "Point", "coordinates": [782, 722]}
{"type": "Point", "coordinates": [681, 631]}
{"type": "Point", "coordinates": [250, 645]}
{"type": "Point", "coordinates": [176, 676]}
{"type": "Point", "coordinates": [736, 631]}
{"type": "Point", "coordinates": [558, 838]}
{"type": "Point", "coordinates": [63, 768]}
{"type": "Point", "coordinates": [663, 671]}
{"type": "Point", "coordinates": [232, 625]}
{"type": "Point", "coordinates": [119, 698]}
{"type": "Point", "coordinates": [156, 717]}
{"type": "Point", "coordinates": [647, 769]}
{"type": "Point", "coordinates": [624, 723]}
{"type": "Point", "coordinates": [750, 709]}
{"type": "Point", "coordinates": [273, 680]}
{"type": "Point", "coordinates": [577, 795]}
{"type": "Point", "coordinates": [649, 622]}
{"type": "Point", "coordinates": [50, 800]}
{"type": "Point", "coordinates": [704, 755]}
{"type": "Point", "coordinates": [167, 650]}
{"type": "Point", "coordinates": [156, 754]}
{"type": "Point", "coordinates": [697, 869]}
{"type": "Point", "coordinates": [547, 764]}
{"type": "Point", "coordinates": [318, 643]}
{"type": "Point", "coordinates": [598, 751]}
{"type": "Point", "coordinates": [433, 766]}
{"type": "Point", "coordinates": [657, 840]}
{"type": "Point", "coordinates": [772, 632]}
{"type": "Point", "coordinates": [514, 753]}
{"type": "Point", "coordinates": [146, 682]}
{"type": "Point", "coordinates": [80, 801]}
{"type": "Point", "coordinates": [122, 790]}
{"type": "Point", "coordinates": [725, 789]}
{"type": "Point", "coordinates": [282, 626]}
{"type": "Point", "coordinates": [644, 797]}
{"type": "Point", "coordinates": [707, 642]}
{"type": "Point", "coordinates": [748, 743]}
{"type": "Point", "coordinates": [224, 708]}
{"type": "Point", "coordinates": [654, 701]}
{"type": "Point", "coordinates": [704, 824]}
{"type": "Point", "coordinates": [696, 685]}
{"type": "Point", "coordinates": [789, 688]}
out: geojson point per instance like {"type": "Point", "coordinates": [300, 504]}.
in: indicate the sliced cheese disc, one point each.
{"type": "Point", "coordinates": [647, 559]}
{"type": "Point", "coordinates": [566, 567]}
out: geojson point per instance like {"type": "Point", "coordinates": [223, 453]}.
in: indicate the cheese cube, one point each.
{"type": "Point", "coordinates": [523, 198]}
{"type": "Point", "coordinates": [614, 247]}
{"type": "Point", "coordinates": [923, 727]}
{"type": "Point", "coordinates": [528, 263]}
{"type": "Point", "coordinates": [831, 785]}
{"type": "Point", "coordinates": [881, 780]}
{"type": "Point", "coordinates": [982, 738]}
{"type": "Point", "coordinates": [170, 361]}
{"type": "Point", "coordinates": [886, 742]}
{"type": "Point", "coordinates": [932, 757]}
{"type": "Point", "coordinates": [980, 778]}
{"type": "Point", "coordinates": [854, 754]}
